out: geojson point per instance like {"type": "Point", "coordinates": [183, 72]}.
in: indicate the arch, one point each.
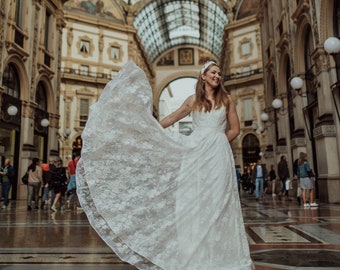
{"type": "Point", "coordinates": [40, 97]}
{"type": "Point", "coordinates": [10, 81]}
{"type": "Point", "coordinates": [282, 79]}
{"type": "Point", "coordinates": [166, 81]}
{"type": "Point", "coordinates": [23, 77]}
{"type": "Point", "coordinates": [271, 82]}
{"type": "Point", "coordinates": [77, 144]}
{"type": "Point", "coordinates": [46, 83]}
{"type": "Point", "coordinates": [303, 26]}
{"type": "Point", "coordinates": [250, 149]}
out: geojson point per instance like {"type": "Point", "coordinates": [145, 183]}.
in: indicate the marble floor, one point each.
{"type": "Point", "coordinates": [281, 235]}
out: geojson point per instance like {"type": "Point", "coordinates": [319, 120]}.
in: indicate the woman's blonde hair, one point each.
{"type": "Point", "coordinates": [302, 157]}
{"type": "Point", "coordinates": [220, 94]}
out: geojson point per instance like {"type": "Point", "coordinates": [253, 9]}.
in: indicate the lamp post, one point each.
{"type": "Point", "coordinates": [12, 110]}
{"type": "Point", "coordinates": [44, 122]}
{"type": "Point", "coordinates": [332, 47]}
{"type": "Point", "coordinates": [296, 83]}
{"type": "Point", "coordinates": [277, 103]}
{"type": "Point", "coordinates": [264, 117]}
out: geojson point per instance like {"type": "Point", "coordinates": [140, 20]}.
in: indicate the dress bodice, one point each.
{"type": "Point", "coordinates": [213, 120]}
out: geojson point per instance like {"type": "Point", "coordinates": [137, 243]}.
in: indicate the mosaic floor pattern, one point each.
{"type": "Point", "coordinates": [281, 235]}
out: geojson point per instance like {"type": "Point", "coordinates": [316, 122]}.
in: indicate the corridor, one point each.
{"type": "Point", "coordinates": [281, 234]}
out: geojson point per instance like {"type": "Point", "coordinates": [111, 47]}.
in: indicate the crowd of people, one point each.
{"type": "Point", "coordinates": [49, 185]}
{"type": "Point", "coordinates": [57, 186]}
{"type": "Point", "coordinates": [256, 180]}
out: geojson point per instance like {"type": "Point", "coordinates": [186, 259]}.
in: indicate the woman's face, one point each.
{"type": "Point", "coordinates": [212, 77]}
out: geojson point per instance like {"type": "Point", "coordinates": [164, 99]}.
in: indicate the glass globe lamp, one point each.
{"type": "Point", "coordinates": [277, 103]}
{"type": "Point", "coordinates": [332, 45]}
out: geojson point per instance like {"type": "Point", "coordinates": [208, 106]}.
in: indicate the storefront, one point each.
{"type": "Point", "coordinates": [10, 121]}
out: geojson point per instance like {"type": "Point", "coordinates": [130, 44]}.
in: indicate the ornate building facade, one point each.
{"type": "Point", "coordinates": [242, 65]}
{"type": "Point", "coordinates": [57, 56]}
{"type": "Point", "coordinates": [301, 87]}
{"type": "Point", "coordinates": [97, 41]}
{"type": "Point", "coordinates": [30, 59]}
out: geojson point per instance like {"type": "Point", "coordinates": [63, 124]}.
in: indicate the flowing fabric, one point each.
{"type": "Point", "coordinates": [160, 201]}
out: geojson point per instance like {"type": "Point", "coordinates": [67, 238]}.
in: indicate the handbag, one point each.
{"type": "Point", "coordinates": [310, 174]}
{"type": "Point", "coordinates": [24, 179]}
{"type": "Point", "coordinates": [288, 184]}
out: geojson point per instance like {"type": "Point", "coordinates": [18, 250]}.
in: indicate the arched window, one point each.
{"type": "Point", "coordinates": [250, 149]}
{"type": "Point", "coordinates": [40, 97]}
{"type": "Point", "coordinates": [10, 81]}
{"type": "Point", "coordinates": [310, 77]}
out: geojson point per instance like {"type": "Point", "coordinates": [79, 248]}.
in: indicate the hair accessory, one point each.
{"type": "Point", "coordinates": [206, 65]}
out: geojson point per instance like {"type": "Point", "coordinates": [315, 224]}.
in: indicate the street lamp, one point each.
{"type": "Point", "coordinates": [44, 122]}
{"type": "Point", "coordinates": [332, 45]}
{"type": "Point", "coordinates": [264, 117]}
{"type": "Point", "coordinates": [12, 110]}
{"type": "Point", "coordinates": [277, 103]}
{"type": "Point", "coordinates": [296, 83]}
{"type": "Point", "coordinates": [66, 133]}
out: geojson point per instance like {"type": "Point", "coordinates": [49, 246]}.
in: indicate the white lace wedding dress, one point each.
{"type": "Point", "coordinates": [160, 201]}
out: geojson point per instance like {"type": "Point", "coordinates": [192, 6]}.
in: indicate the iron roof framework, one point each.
{"type": "Point", "coordinates": [163, 24]}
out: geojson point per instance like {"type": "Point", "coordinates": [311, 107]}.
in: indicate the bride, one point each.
{"type": "Point", "coordinates": [160, 200]}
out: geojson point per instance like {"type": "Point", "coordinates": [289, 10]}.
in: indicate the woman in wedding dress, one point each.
{"type": "Point", "coordinates": [160, 200]}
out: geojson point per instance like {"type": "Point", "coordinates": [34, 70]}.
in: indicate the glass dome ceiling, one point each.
{"type": "Point", "coordinates": [163, 24]}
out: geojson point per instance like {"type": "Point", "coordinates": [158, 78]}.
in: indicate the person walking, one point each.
{"type": "Point", "coordinates": [48, 169]}
{"type": "Point", "coordinates": [304, 172]}
{"type": "Point", "coordinates": [259, 175]}
{"type": "Point", "coordinates": [163, 200]}
{"type": "Point", "coordinates": [295, 171]}
{"type": "Point", "coordinates": [71, 191]}
{"type": "Point", "coordinates": [58, 184]}
{"type": "Point", "coordinates": [283, 173]}
{"type": "Point", "coordinates": [7, 176]}
{"type": "Point", "coordinates": [34, 183]}
{"type": "Point", "coordinates": [272, 178]}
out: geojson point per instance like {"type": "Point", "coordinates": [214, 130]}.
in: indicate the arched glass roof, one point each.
{"type": "Point", "coordinates": [163, 24]}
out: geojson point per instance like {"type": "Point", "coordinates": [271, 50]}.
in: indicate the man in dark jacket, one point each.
{"type": "Point", "coordinates": [7, 177]}
{"type": "Point", "coordinates": [283, 173]}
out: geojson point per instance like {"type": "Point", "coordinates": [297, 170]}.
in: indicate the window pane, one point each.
{"type": "Point", "coordinates": [115, 52]}
{"type": "Point", "coordinates": [40, 97]}
{"type": "Point", "coordinates": [19, 6]}
{"type": "Point", "coordinates": [245, 48]}
{"type": "Point", "coordinates": [84, 46]}
{"type": "Point", "coordinates": [47, 28]}
{"type": "Point", "coordinates": [248, 109]}
{"type": "Point", "coordinates": [10, 81]}
{"type": "Point", "coordinates": [84, 112]}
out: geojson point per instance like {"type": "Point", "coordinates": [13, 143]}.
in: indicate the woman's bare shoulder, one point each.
{"type": "Point", "coordinates": [190, 100]}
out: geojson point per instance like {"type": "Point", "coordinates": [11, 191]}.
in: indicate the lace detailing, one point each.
{"type": "Point", "coordinates": [160, 201]}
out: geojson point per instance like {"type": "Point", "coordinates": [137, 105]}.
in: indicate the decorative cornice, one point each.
{"type": "Point", "coordinates": [303, 7]}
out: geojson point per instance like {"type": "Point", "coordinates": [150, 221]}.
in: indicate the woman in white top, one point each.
{"type": "Point", "coordinates": [34, 184]}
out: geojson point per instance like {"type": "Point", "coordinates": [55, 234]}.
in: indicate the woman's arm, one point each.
{"type": "Point", "coordinates": [180, 113]}
{"type": "Point", "coordinates": [233, 121]}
